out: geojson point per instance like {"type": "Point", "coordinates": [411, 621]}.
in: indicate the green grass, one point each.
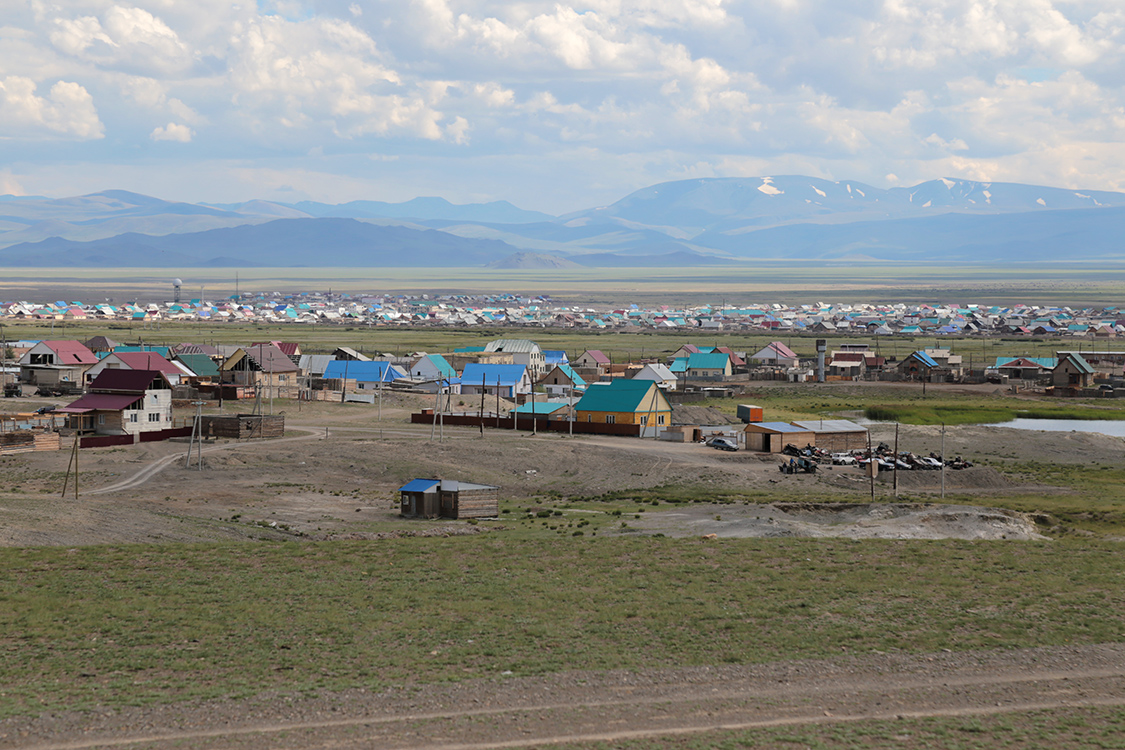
{"type": "Point", "coordinates": [141, 624]}
{"type": "Point", "coordinates": [975, 411]}
{"type": "Point", "coordinates": [1071, 728]}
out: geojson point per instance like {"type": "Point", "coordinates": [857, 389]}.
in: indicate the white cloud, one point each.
{"type": "Point", "coordinates": [67, 111]}
{"type": "Point", "coordinates": [642, 89]}
{"type": "Point", "coordinates": [125, 37]}
{"type": "Point", "coordinates": [173, 132]}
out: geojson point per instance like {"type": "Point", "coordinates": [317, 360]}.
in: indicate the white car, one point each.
{"type": "Point", "coordinates": [843, 459]}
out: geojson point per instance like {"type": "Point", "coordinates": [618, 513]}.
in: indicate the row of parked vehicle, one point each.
{"type": "Point", "coordinates": [883, 455]}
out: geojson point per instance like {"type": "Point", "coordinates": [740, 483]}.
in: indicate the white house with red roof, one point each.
{"type": "Point", "coordinates": [776, 353]}
{"type": "Point", "coordinates": [56, 364]}
{"type": "Point", "coordinates": [592, 358]}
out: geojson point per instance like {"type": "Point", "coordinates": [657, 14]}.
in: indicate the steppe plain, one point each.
{"type": "Point", "coordinates": [274, 599]}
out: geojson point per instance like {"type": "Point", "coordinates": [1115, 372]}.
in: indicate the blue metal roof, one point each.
{"type": "Point", "coordinates": [419, 485]}
{"type": "Point", "coordinates": [925, 359]}
{"type": "Point", "coordinates": [363, 372]}
{"type": "Point", "coordinates": [780, 427]}
{"type": "Point", "coordinates": [475, 373]}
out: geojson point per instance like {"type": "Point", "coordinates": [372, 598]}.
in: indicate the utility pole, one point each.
{"type": "Point", "coordinates": [73, 462]}
{"type": "Point", "coordinates": [943, 460]}
{"type": "Point", "coordinates": [896, 460]}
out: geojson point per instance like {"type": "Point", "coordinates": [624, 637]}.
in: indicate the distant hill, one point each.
{"type": "Point", "coordinates": [532, 260]}
{"type": "Point", "coordinates": [686, 222]}
{"type": "Point", "coordinates": [496, 212]}
{"type": "Point", "coordinates": [282, 243]}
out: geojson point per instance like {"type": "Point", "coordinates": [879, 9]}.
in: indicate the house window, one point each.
{"type": "Point", "coordinates": [644, 419]}
{"type": "Point", "coordinates": [660, 419]}
{"type": "Point", "coordinates": [101, 419]}
{"type": "Point", "coordinates": [154, 417]}
{"type": "Point", "coordinates": [610, 418]}
{"type": "Point", "coordinates": [133, 416]}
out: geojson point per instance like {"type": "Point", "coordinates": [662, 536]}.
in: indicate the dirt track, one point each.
{"type": "Point", "coordinates": [586, 707]}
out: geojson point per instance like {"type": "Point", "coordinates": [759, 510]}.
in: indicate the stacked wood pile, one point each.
{"type": "Point", "coordinates": [482, 503]}
{"type": "Point", "coordinates": [244, 426]}
{"type": "Point", "coordinates": [27, 441]}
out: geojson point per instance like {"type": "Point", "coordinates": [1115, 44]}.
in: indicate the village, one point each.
{"type": "Point", "coordinates": [491, 311]}
{"type": "Point", "coordinates": [99, 393]}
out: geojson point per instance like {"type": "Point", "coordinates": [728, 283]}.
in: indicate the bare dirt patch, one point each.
{"type": "Point", "coordinates": [845, 520]}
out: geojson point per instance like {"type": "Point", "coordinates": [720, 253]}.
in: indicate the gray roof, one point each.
{"type": "Point", "coordinates": [829, 425]}
{"type": "Point", "coordinates": [315, 364]}
{"type": "Point", "coordinates": [511, 345]}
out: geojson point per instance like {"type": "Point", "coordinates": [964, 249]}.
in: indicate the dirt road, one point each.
{"type": "Point", "coordinates": [587, 707]}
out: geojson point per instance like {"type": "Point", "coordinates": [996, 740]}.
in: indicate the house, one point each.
{"type": "Point", "coordinates": [562, 380]}
{"type": "Point", "coordinates": [367, 375]}
{"type": "Point", "coordinates": [1025, 368]}
{"type": "Point", "coordinates": [835, 435]}
{"type": "Point", "coordinates": [100, 344]}
{"type": "Point", "coordinates": [448, 498]}
{"type": "Point", "coordinates": [659, 374]}
{"type": "Point", "coordinates": [431, 367]}
{"type": "Point", "coordinates": [203, 368]}
{"type": "Point", "coordinates": [507, 380]}
{"type": "Point", "coordinates": [920, 366]}
{"type": "Point", "coordinates": [123, 402]}
{"type": "Point", "coordinates": [56, 364]}
{"type": "Point", "coordinates": [138, 361]}
{"type": "Point", "coordinates": [289, 348]}
{"type": "Point", "coordinates": [687, 350]}
{"type": "Point", "coordinates": [710, 365]}
{"type": "Point", "coordinates": [314, 365]}
{"type": "Point", "coordinates": [775, 354]}
{"type": "Point", "coordinates": [524, 352]}
{"type": "Point", "coordinates": [262, 366]}
{"type": "Point", "coordinates": [592, 359]}
{"type": "Point", "coordinates": [1072, 371]}
{"type": "Point", "coordinates": [626, 401]}
{"type": "Point", "coordinates": [772, 437]}
{"type": "Point", "coordinates": [847, 364]}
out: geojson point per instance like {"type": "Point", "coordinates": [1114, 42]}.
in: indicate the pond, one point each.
{"type": "Point", "coordinates": [1114, 428]}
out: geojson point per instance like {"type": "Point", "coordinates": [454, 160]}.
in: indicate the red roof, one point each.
{"type": "Point", "coordinates": [598, 356]}
{"type": "Point", "coordinates": [135, 381]}
{"type": "Point", "coordinates": [103, 401]}
{"type": "Point", "coordinates": [147, 361]}
{"type": "Point", "coordinates": [72, 353]}
{"type": "Point", "coordinates": [783, 350]}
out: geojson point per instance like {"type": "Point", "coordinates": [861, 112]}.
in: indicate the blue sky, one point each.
{"type": "Point", "coordinates": [553, 106]}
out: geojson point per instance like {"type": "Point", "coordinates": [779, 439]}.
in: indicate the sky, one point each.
{"type": "Point", "coordinates": [553, 106]}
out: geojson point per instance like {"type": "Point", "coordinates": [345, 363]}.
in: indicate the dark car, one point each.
{"type": "Point", "coordinates": [724, 444]}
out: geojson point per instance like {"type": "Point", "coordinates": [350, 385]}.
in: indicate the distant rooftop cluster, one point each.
{"type": "Point", "coordinates": [466, 311]}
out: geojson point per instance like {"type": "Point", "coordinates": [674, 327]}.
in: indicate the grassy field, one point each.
{"type": "Point", "coordinates": [757, 282]}
{"type": "Point", "coordinates": [132, 625]}
{"type": "Point", "coordinates": [1094, 728]}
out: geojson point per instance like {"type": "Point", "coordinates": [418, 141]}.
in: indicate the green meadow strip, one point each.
{"type": "Point", "coordinates": [143, 624]}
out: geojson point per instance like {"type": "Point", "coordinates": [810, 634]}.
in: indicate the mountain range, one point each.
{"type": "Point", "coordinates": [684, 223]}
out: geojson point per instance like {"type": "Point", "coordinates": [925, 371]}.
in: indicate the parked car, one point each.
{"type": "Point", "coordinates": [724, 444]}
{"type": "Point", "coordinates": [843, 459]}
